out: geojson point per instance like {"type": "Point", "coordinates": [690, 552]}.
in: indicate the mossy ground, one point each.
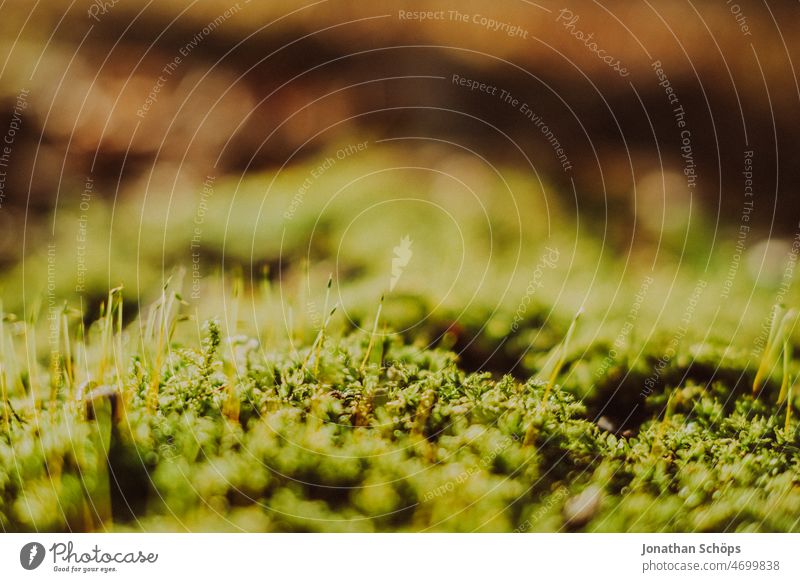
{"type": "Point", "coordinates": [277, 417]}
{"type": "Point", "coordinates": [229, 436]}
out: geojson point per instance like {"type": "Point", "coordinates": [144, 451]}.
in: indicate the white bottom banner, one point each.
{"type": "Point", "coordinates": [400, 557]}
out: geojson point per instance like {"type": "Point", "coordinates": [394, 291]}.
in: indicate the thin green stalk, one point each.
{"type": "Point", "coordinates": [166, 327]}
{"type": "Point", "coordinates": [777, 333]}
{"type": "Point", "coordinates": [562, 350]}
{"type": "Point", "coordinates": [372, 336]}
{"type": "Point", "coordinates": [556, 359]}
{"type": "Point", "coordinates": [316, 348]}
{"type": "Point", "coordinates": [324, 324]}
{"type": "Point", "coordinates": [786, 380]}
{"type": "Point", "coordinates": [69, 371]}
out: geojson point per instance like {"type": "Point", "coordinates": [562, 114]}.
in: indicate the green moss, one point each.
{"type": "Point", "coordinates": [411, 443]}
{"type": "Point", "coordinates": [475, 416]}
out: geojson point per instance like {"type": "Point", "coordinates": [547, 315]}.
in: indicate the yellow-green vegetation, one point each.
{"type": "Point", "coordinates": [422, 372]}
{"type": "Point", "coordinates": [362, 431]}
{"type": "Point", "coordinates": [779, 347]}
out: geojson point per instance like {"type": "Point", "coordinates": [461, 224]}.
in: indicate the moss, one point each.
{"type": "Point", "coordinates": [411, 443]}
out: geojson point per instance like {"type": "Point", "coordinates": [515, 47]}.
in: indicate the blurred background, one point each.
{"type": "Point", "coordinates": [490, 168]}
